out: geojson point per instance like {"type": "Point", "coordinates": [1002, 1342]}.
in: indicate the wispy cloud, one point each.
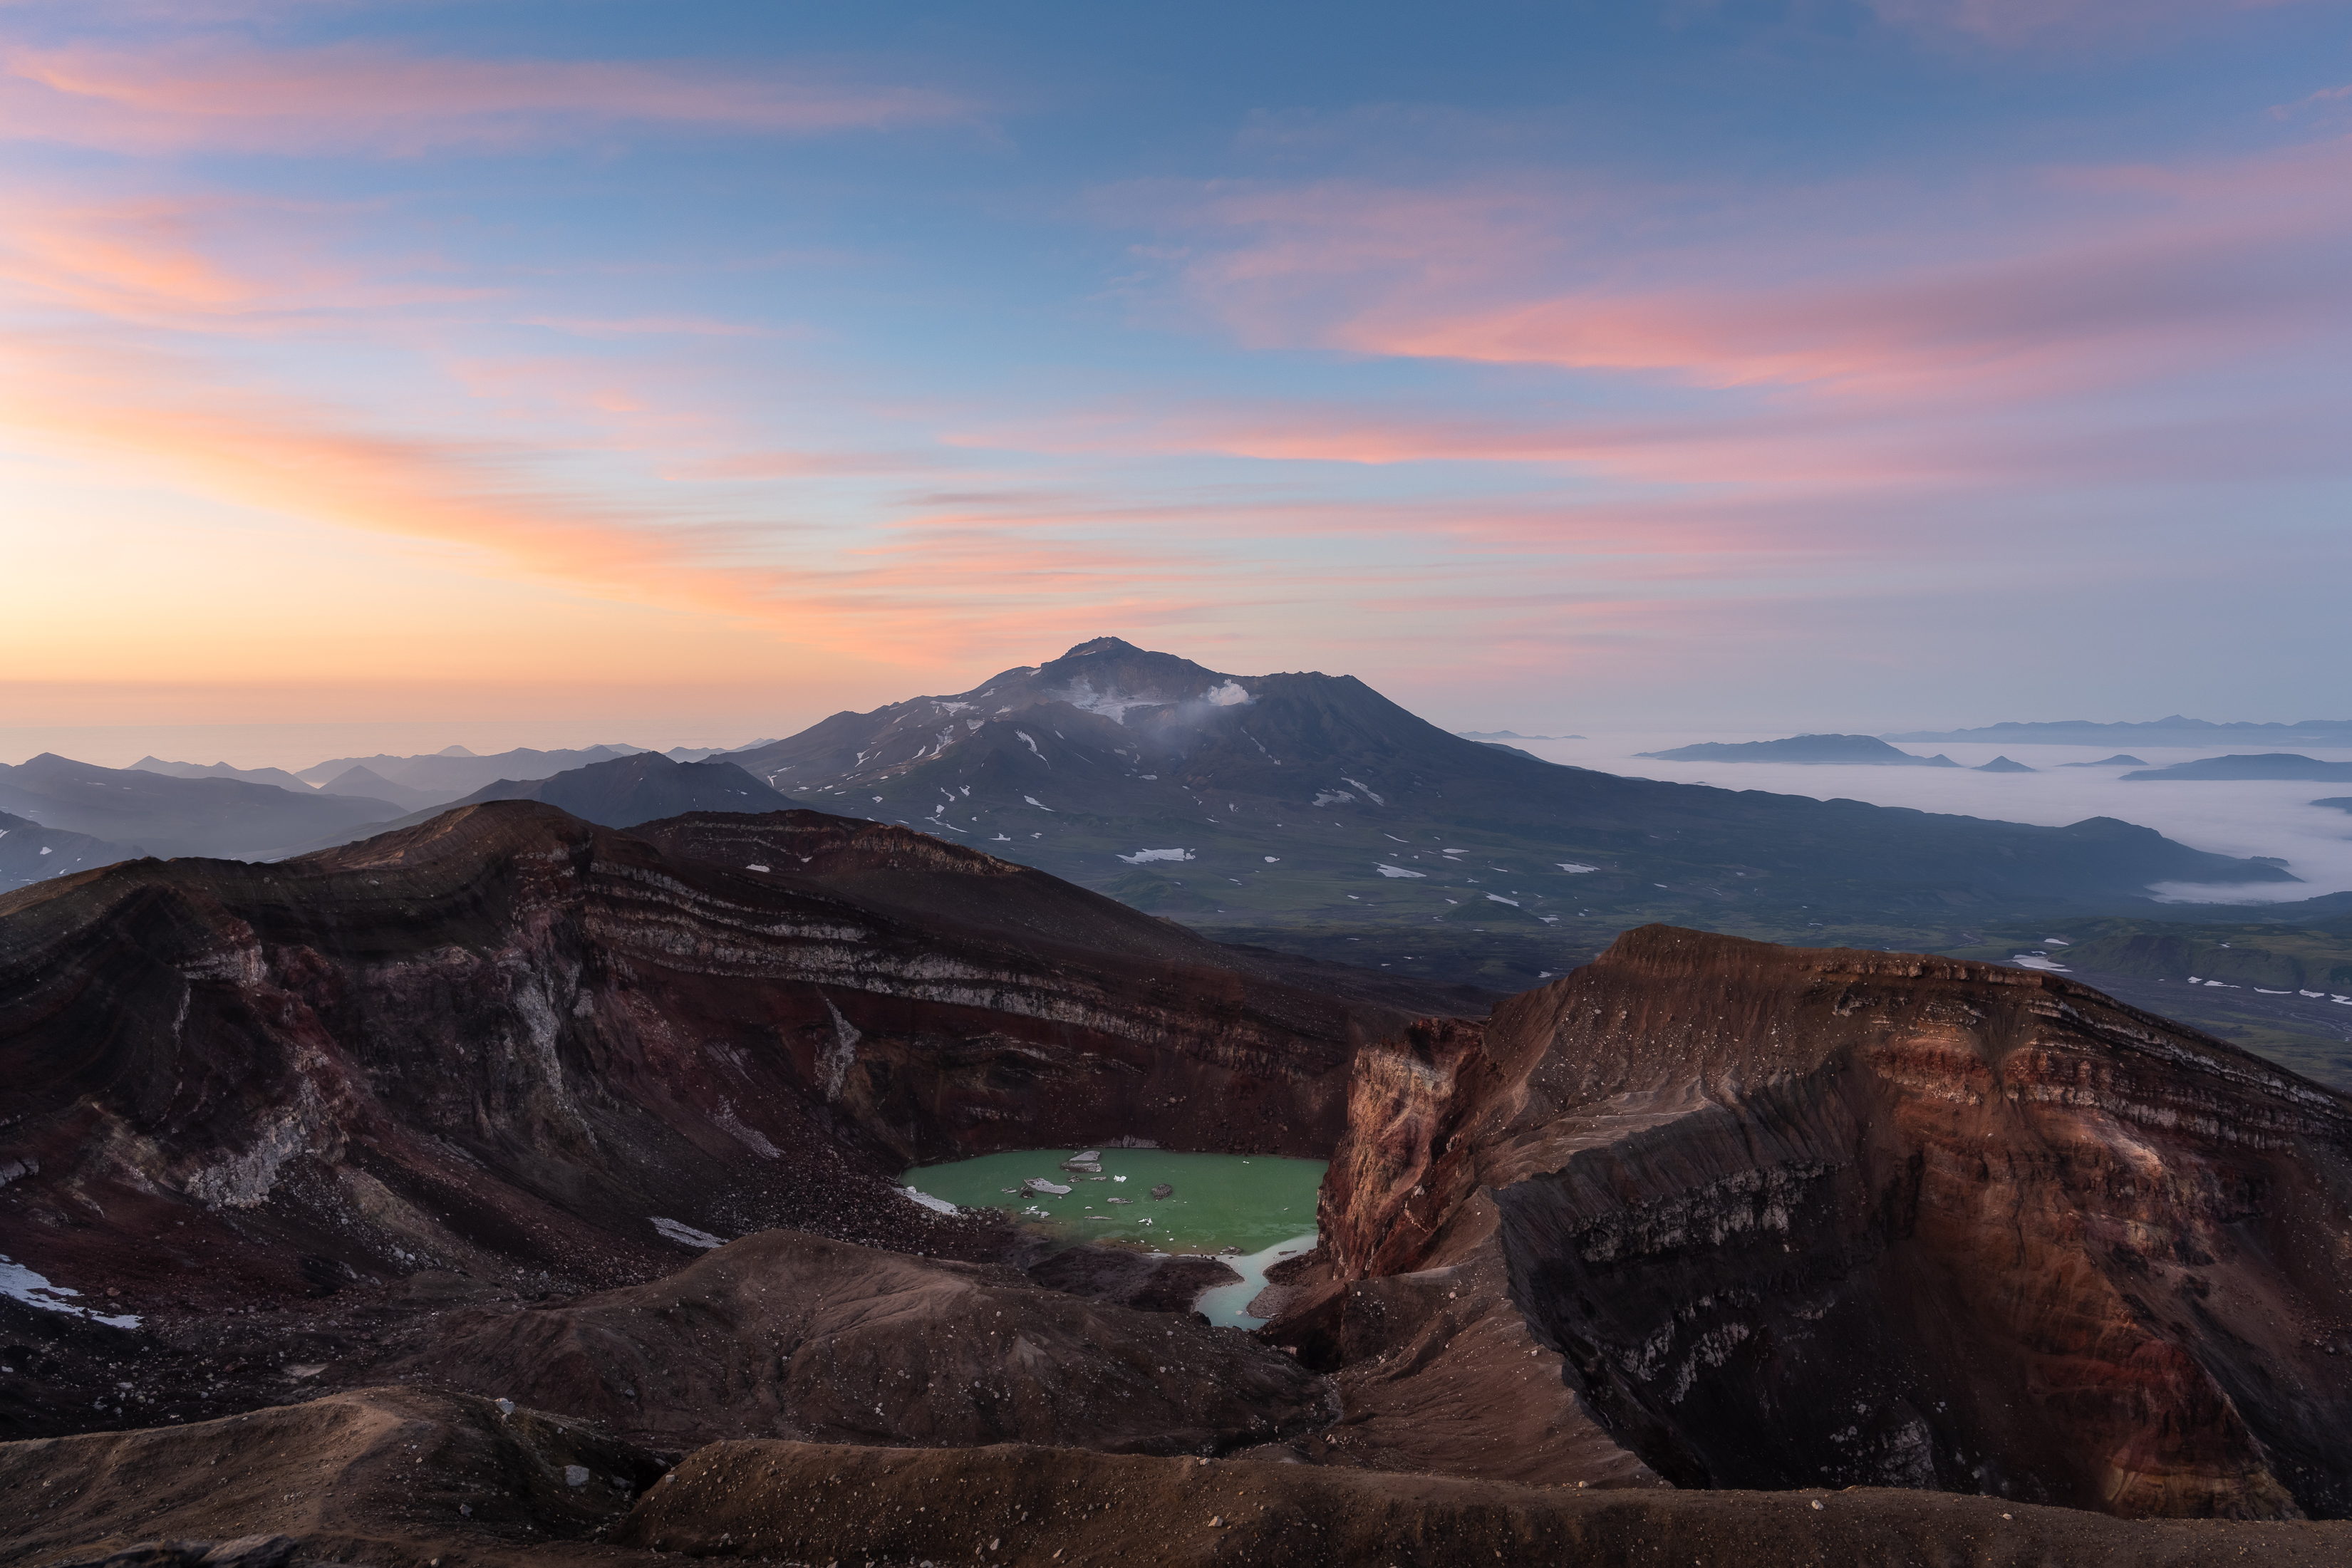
{"type": "Point", "coordinates": [192, 262]}
{"type": "Point", "coordinates": [372, 98]}
{"type": "Point", "coordinates": [2078, 324]}
{"type": "Point", "coordinates": [655, 327]}
{"type": "Point", "coordinates": [2020, 23]}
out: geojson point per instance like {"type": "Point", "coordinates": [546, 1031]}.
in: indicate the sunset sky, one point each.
{"type": "Point", "coordinates": [685, 373]}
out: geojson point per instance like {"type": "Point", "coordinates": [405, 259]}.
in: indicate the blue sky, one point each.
{"type": "Point", "coordinates": [718, 367]}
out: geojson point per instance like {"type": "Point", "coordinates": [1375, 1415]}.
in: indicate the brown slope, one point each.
{"type": "Point", "coordinates": [412, 1477]}
{"type": "Point", "coordinates": [786, 1334]}
{"type": "Point", "coordinates": [1827, 1216]}
{"type": "Point", "coordinates": [374, 1475]}
{"type": "Point", "coordinates": [810, 1503]}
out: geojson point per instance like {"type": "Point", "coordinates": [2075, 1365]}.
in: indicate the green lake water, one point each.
{"type": "Point", "coordinates": [1258, 1206]}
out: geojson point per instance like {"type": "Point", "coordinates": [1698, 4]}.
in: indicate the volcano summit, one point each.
{"type": "Point", "coordinates": [1309, 811]}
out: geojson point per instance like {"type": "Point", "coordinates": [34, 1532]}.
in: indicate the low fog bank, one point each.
{"type": "Point", "coordinates": [2229, 818]}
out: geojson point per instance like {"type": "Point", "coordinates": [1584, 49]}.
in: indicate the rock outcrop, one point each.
{"type": "Point", "coordinates": [1797, 1217]}
{"type": "Point", "coordinates": [786, 1334]}
{"type": "Point", "coordinates": [1154, 1281]}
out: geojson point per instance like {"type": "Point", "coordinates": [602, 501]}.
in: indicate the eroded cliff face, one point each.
{"type": "Point", "coordinates": [510, 1043]}
{"type": "Point", "coordinates": [1805, 1218]}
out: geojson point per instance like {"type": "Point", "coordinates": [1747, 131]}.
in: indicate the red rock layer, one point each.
{"type": "Point", "coordinates": [1834, 1217]}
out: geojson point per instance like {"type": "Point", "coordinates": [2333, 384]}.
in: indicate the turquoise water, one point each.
{"type": "Point", "coordinates": [1249, 1202]}
{"type": "Point", "coordinates": [1225, 1305]}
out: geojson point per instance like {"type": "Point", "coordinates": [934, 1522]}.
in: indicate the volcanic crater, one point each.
{"type": "Point", "coordinates": [505, 1118]}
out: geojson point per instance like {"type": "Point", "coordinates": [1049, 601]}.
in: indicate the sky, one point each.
{"type": "Point", "coordinates": [542, 373]}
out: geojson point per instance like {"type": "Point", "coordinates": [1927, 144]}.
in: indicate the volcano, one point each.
{"type": "Point", "coordinates": [1309, 811]}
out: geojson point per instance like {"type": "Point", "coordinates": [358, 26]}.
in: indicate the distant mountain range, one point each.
{"type": "Point", "coordinates": [141, 812]}
{"type": "Point", "coordinates": [1801, 748]}
{"type": "Point", "coordinates": [276, 777]}
{"type": "Point", "coordinates": [2173, 731]}
{"type": "Point", "coordinates": [448, 774]}
{"type": "Point", "coordinates": [1301, 810]}
{"type": "Point", "coordinates": [1307, 810]}
{"type": "Point", "coordinates": [2281, 765]}
{"type": "Point", "coordinates": [619, 792]}
{"type": "Point", "coordinates": [30, 853]}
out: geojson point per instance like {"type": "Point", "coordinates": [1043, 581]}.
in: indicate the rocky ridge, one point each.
{"type": "Point", "coordinates": [254, 1106]}
{"type": "Point", "coordinates": [1799, 1217]}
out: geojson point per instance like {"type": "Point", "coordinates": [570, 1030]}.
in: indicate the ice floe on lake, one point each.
{"type": "Point", "coordinates": [1386, 870]}
{"type": "Point", "coordinates": [1144, 857]}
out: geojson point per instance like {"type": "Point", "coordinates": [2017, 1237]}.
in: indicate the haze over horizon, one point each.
{"type": "Point", "coordinates": [560, 374]}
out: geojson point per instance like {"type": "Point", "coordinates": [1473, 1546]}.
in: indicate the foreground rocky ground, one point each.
{"type": "Point", "coordinates": [410, 1479]}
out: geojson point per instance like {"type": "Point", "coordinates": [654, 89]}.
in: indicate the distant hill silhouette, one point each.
{"type": "Point", "coordinates": [30, 853]}
{"type": "Point", "coordinates": [1803, 749]}
{"type": "Point", "coordinates": [447, 774]}
{"type": "Point", "coordinates": [2172, 731]}
{"type": "Point", "coordinates": [2267, 765]}
{"type": "Point", "coordinates": [277, 777]}
{"type": "Point", "coordinates": [619, 793]}
{"type": "Point", "coordinates": [155, 813]}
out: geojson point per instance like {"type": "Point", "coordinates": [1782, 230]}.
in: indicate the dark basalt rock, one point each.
{"type": "Point", "coordinates": [785, 1334]}
{"type": "Point", "coordinates": [1153, 1282]}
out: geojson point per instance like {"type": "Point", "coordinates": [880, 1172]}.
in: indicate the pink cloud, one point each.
{"type": "Point", "coordinates": [655, 327]}
{"type": "Point", "coordinates": [1723, 289]}
{"type": "Point", "coordinates": [367, 96]}
{"type": "Point", "coordinates": [2116, 324]}
{"type": "Point", "coordinates": [938, 584]}
{"type": "Point", "coordinates": [194, 263]}
{"type": "Point", "coordinates": [2016, 24]}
